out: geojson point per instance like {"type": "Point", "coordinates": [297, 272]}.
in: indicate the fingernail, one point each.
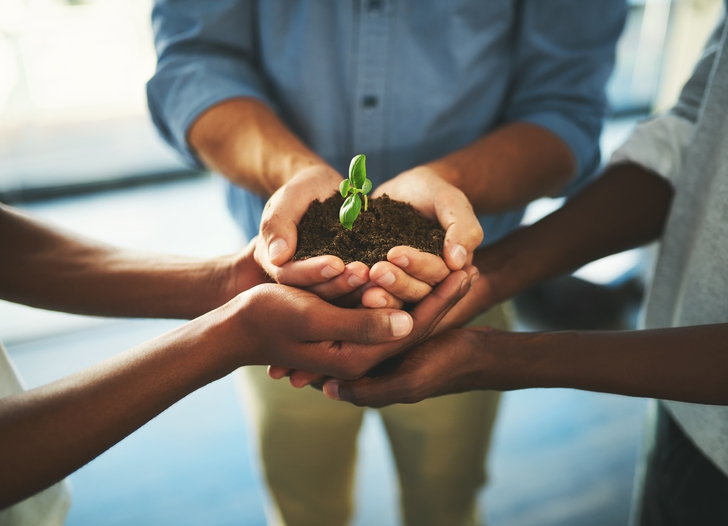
{"type": "Point", "coordinates": [401, 324]}
{"type": "Point", "coordinates": [475, 278]}
{"type": "Point", "coordinates": [332, 389]}
{"type": "Point", "coordinates": [464, 284]}
{"type": "Point", "coordinates": [381, 303]}
{"type": "Point", "coordinates": [355, 281]}
{"type": "Point", "coordinates": [458, 255]}
{"type": "Point", "coordinates": [329, 272]}
{"type": "Point", "coordinates": [276, 247]}
{"type": "Point", "coordinates": [401, 261]}
{"type": "Point", "coordinates": [386, 280]}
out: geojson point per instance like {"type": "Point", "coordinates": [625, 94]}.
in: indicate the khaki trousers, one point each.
{"type": "Point", "coordinates": [307, 444]}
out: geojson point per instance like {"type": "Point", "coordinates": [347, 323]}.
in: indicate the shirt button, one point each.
{"type": "Point", "coordinates": [369, 101]}
{"type": "Point", "coordinates": [374, 5]}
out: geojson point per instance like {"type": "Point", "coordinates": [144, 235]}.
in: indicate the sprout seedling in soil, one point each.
{"type": "Point", "coordinates": [367, 235]}
{"type": "Point", "coordinates": [357, 184]}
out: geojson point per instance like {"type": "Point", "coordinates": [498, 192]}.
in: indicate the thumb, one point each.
{"type": "Point", "coordinates": [424, 318]}
{"type": "Point", "coordinates": [463, 232]}
{"type": "Point", "coordinates": [433, 307]}
{"type": "Point", "coordinates": [356, 326]}
{"type": "Point", "coordinates": [279, 225]}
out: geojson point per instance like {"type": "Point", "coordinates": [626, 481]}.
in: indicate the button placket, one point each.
{"type": "Point", "coordinates": [375, 19]}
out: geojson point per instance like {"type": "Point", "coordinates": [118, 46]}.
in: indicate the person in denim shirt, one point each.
{"type": "Point", "coordinates": [461, 107]}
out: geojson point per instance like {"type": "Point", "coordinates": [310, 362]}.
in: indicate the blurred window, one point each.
{"type": "Point", "coordinates": [635, 81]}
{"type": "Point", "coordinates": [72, 100]}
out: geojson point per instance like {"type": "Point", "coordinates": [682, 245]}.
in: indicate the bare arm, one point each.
{"type": "Point", "coordinates": [625, 208]}
{"type": "Point", "coordinates": [49, 268]}
{"type": "Point", "coordinates": [53, 430]}
{"type": "Point", "coordinates": [245, 141]}
{"type": "Point", "coordinates": [509, 168]}
{"type": "Point", "coordinates": [686, 364]}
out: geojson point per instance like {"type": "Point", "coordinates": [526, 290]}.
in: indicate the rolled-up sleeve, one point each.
{"type": "Point", "coordinates": [565, 55]}
{"type": "Point", "coordinates": [206, 55]}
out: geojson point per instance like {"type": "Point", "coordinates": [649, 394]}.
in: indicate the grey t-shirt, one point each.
{"type": "Point", "coordinates": [689, 145]}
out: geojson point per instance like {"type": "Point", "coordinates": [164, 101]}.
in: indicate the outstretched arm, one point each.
{"type": "Point", "coordinates": [46, 267]}
{"type": "Point", "coordinates": [625, 208]}
{"type": "Point", "coordinates": [53, 430]}
{"type": "Point", "coordinates": [687, 364]}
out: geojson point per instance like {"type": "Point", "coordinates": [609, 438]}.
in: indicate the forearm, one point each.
{"type": "Point", "coordinates": [51, 431]}
{"type": "Point", "coordinates": [45, 267]}
{"type": "Point", "coordinates": [687, 364]}
{"type": "Point", "coordinates": [246, 142]}
{"type": "Point", "coordinates": [509, 168]}
{"type": "Point", "coordinates": [625, 208]}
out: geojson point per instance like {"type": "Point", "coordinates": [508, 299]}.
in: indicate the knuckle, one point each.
{"type": "Point", "coordinates": [370, 328]}
{"type": "Point", "coordinates": [474, 232]}
{"type": "Point", "coordinates": [355, 399]}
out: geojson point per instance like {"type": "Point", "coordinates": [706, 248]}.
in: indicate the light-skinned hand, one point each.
{"type": "Point", "coordinates": [327, 275]}
{"type": "Point", "coordinates": [408, 276]}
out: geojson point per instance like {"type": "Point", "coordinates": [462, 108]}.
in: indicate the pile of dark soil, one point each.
{"type": "Point", "coordinates": [386, 224]}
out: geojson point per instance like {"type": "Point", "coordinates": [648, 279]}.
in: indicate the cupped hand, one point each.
{"type": "Point", "coordinates": [440, 201]}
{"type": "Point", "coordinates": [427, 315]}
{"type": "Point", "coordinates": [279, 231]}
{"type": "Point", "coordinates": [452, 362]}
{"type": "Point", "coordinates": [245, 272]}
{"type": "Point", "coordinates": [408, 275]}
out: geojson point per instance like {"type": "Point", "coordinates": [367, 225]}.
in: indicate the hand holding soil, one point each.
{"type": "Point", "coordinates": [278, 237]}
{"type": "Point", "coordinates": [409, 276]}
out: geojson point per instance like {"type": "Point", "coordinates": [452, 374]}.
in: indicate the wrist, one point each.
{"type": "Point", "coordinates": [224, 335]}
{"type": "Point", "coordinates": [445, 171]}
{"type": "Point", "coordinates": [304, 169]}
{"type": "Point", "coordinates": [510, 361]}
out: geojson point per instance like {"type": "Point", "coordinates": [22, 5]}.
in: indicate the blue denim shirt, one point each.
{"type": "Point", "coordinates": [402, 81]}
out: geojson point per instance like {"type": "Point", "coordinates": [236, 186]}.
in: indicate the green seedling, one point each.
{"type": "Point", "coordinates": [353, 189]}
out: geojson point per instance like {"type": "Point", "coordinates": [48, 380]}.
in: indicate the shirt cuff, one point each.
{"type": "Point", "coordinates": [657, 145]}
{"type": "Point", "coordinates": [581, 140]}
{"type": "Point", "coordinates": [182, 89]}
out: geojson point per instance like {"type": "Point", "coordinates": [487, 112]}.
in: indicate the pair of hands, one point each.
{"type": "Point", "coordinates": [407, 276]}
{"type": "Point", "coordinates": [291, 328]}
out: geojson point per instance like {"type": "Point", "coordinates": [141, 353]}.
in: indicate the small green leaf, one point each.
{"type": "Point", "coordinates": [366, 187]}
{"type": "Point", "coordinates": [358, 171]}
{"type": "Point", "coordinates": [344, 187]}
{"type": "Point", "coordinates": [350, 211]}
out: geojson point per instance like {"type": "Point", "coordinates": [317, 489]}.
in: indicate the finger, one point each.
{"type": "Point", "coordinates": [426, 315]}
{"type": "Point", "coordinates": [428, 312]}
{"type": "Point", "coordinates": [354, 276]}
{"type": "Point", "coordinates": [420, 265]}
{"type": "Point", "coordinates": [301, 379]}
{"type": "Point", "coordinates": [368, 392]}
{"type": "Point", "coordinates": [277, 373]}
{"type": "Point", "coordinates": [325, 323]}
{"type": "Point", "coordinates": [463, 232]}
{"type": "Point", "coordinates": [398, 282]}
{"type": "Point", "coordinates": [378, 298]}
{"type": "Point", "coordinates": [279, 225]}
{"type": "Point", "coordinates": [309, 272]}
